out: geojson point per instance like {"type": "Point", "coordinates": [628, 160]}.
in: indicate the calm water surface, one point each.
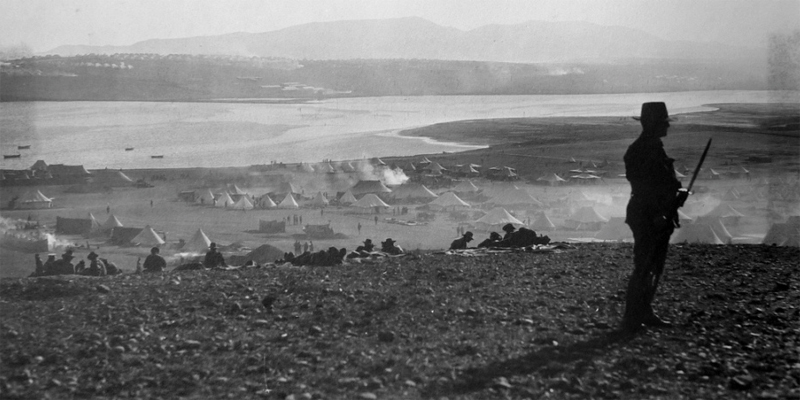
{"type": "Point", "coordinates": [96, 134]}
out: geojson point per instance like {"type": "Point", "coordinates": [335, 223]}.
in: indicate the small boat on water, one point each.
{"type": "Point", "coordinates": [129, 149]}
{"type": "Point", "coordinates": [12, 155]}
{"type": "Point", "coordinates": [156, 156]}
{"type": "Point", "coordinates": [25, 147]}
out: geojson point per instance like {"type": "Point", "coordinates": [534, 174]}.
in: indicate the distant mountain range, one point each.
{"type": "Point", "coordinates": [417, 38]}
{"type": "Point", "coordinates": [397, 57]}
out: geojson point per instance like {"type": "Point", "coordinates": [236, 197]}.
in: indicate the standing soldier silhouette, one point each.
{"type": "Point", "coordinates": [651, 214]}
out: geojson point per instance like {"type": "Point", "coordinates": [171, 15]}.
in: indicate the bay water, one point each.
{"type": "Point", "coordinates": [97, 134]}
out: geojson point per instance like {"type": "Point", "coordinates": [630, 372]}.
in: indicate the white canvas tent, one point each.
{"type": "Point", "coordinates": [542, 222]}
{"type": "Point", "coordinates": [369, 186]}
{"type": "Point", "coordinates": [34, 200]}
{"type": "Point", "coordinates": [198, 243]}
{"type": "Point", "coordinates": [224, 201]}
{"type": "Point", "coordinates": [495, 219]}
{"type": "Point", "coordinates": [111, 177]}
{"type": "Point", "coordinates": [235, 190]}
{"type": "Point", "coordinates": [724, 210]}
{"type": "Point", "coordinates": [288, 202]}
{"type": "Point", "coordinates": [287, 187]}
{"type": "Point", "coordinates": [731, 195]}
{"type": "Point", "coordinates": [552, 179]}
{"type": "Point", "coordinates": [244, 203]}
{"type": "Point", "coordinates": [413, 191]}
{"type": "Point", "coordinates": [468, 170]}
{"type": "Point", "coordinates": [695, 233]}
{"type": "Point", "coordinates": [303, 167]}
{"type": "Point", "coordinates": [436, 168]}
{"type": "Point", "coordinates": [370, 200]}
{"type": "Point", "coordinates": [95, 224]}
{"type": "Point", "coordinates": [147, 237]}
{"type": "Point", "coordinates": [615, 230]}
{"type": "Point", "coordinates": [716, 224]}
{"type": "Point", "coordinates": [207, 198]}
{"type": "Point", "coordinates": [683, 218]}
{"type": "Point", "coordinates": [449, 200]}
{"type": "Point", "coordinates": [266, 202]}
{"type": "Point", "coordinates": [111, 223]}
{"type": "Point", "coordinates": [585, 218]}
{"type": "Point", "coordinates": [784, 234]}
{"type": "Point", "coordinates": [319, 200]}
{"type": "Point", "coordinates": [515, 196]}
{"type": "Point", "coordinates": [466, 187]}
{"type": "Point", "coordinates": [325, 168]}
{"type": "Point", "coordinates": [348, 198]}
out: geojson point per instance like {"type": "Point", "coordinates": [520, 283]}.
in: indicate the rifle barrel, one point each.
{"type": "Point", "coordinates": [699, 164]}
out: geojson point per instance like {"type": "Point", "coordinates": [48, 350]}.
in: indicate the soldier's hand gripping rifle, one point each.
{"type": "Point", "coordinates": [683, 194]}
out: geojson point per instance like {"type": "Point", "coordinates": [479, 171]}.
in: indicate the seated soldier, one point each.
{"type": "Point", "coordinates": [39, 271]}
{"type": "Point", "coordinates": [64, 266]}
{"type": "Point", "coordinates": [303, 259]}
{"type": "Point", "coordinates": [80, 267]}
{"type": "Point", "coordinates": [389, 247]}
{"type": "Point", "coordinates": [522, 238]}
{"type": "Point", "coordinates": [96, 266]}
{"type": "Point", "coordinates": [368, 246]}
{"type": "Point", "coordinates": [493, 240]}
{"type": "Point", "coordinates": [335, 256]}
{"type": "Point", "coordinates": [47, 268]}
{"type": "Point", "coordinates": [461, 243]}
{"type": "Point", "coordinates": [213, 257]}
{"type": "Point", "coordinates": [508, 229]}
{"type": "Point", "coordinates": [111, 268]}
{"type": "Point", "coordinates": [154, 262]}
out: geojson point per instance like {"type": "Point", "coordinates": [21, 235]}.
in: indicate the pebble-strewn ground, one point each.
{"type": "Point", "coordinates": [510, 325]}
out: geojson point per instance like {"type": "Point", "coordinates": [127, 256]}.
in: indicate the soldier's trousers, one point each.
{"type": "Point", "coordinates": [651, 243]}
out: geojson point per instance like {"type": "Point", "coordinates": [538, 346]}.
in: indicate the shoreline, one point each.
{"type": "Point", "coordinates": [523, 131]}
{"type": "Point", "coordinates": [534, 147]}
{"type": "Point", "coordinates": [258, 137]}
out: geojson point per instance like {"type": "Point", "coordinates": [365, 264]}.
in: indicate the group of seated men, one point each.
{"type": "Point", "coordinates": [334, 256]}
{"type": "Point", "coordinates": [97, 266]}
{"type": "Point", "coordinates": [513, 238]}
{"type": "Point", "coordinates": [389, 246]}
{"type": "Point", "coordinates": [322, 258]}
{"type": "Point", "coordinates": [213, 259]}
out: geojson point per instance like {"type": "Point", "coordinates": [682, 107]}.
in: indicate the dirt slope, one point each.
{"type": "Point", "coordinates": [511, 325]}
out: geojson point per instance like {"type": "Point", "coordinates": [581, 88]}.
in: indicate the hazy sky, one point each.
{"type": "Point", "coordinates": [45, 24]}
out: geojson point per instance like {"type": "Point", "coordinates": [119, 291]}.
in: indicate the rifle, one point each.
{"type": "Point", "coordinates": [688, 191]}
{"type": "Point", "coordinates": [655, 276]}
{"type": "Point", "coordinates": [699, 164]}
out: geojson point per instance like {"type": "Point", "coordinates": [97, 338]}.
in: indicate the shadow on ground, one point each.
{"type": "Point", "coordinates": [541, 361]}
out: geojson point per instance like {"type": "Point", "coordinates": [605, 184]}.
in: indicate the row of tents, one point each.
{"type": "Point", "coordinates": [122, 235]}
{"type": "Point", "coordinates": [371, 194]}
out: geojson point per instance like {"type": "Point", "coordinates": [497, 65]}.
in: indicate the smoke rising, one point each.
{"type": "Point", "coordinates": [388, 176]}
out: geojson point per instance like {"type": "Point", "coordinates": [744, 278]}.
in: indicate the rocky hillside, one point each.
{"type": "Point", "coordinates": [498, 325]}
